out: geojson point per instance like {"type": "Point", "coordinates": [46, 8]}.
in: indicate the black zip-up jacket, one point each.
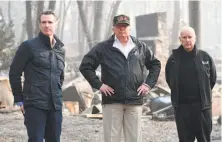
{"type": "Point", "coordinates": [43, 69]}
{"type": "Point", "coordinates": [123, 75]}
{"type": "Point", "coordinates": [206, 74]}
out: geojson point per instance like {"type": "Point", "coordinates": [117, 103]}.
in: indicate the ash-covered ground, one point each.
{"type": "Point", "coordinates": [79, 129]}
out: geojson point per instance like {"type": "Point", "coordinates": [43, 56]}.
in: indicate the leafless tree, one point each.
{"type": "Point", "coordinates": [176, 26]}
{"type": "Point", "coordinates": [94, 37]}
{"type": "Point", "coordinates": [59, 16]}
{"type": "Point", "coordinates": [29, 19]}
{"type": "Point", "coordinates": [113, 11]}
{"type": "Point", "coordinates": [195, 18]}
{"type": "Point", "coordinates": [84, 23]}
{"type": "Point", "coordinates": [98, 15]}
{"type": "Point", "coordinates": [66, 8]}
{"type": "Point", "coordinates": [40, 7]}
{"type": "Point", "coordinates": [52, 5]}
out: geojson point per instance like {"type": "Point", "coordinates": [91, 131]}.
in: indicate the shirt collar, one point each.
{"type": "Point", "coordinates": [129, 41]}
{"type": "Point", "coordinates": [54, 42]}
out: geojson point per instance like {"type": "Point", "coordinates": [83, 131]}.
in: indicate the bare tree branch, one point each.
{"type": "Point", "coordinates": [58, 30]}
{"type": "Point", "coordinates": [29, 19]}
{"type": "Point", "coordinates": [64, 17]}
{"type": "Point", "coordinates": [176, 26]}
{"type": "Point", "coordinates": [114, 11]}
{"type": "Point", "coordinates": [84, 23]}
{"type": "Point", "coordinates": [52, 5]}
{"type": "Point", "coordinates": [40, 8]}
{"type": "Point", "coordinates": [98, 16]}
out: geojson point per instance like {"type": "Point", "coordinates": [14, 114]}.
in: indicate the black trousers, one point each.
{"type": "Point", "coordinates": [42, 124]}
{"type": "Point", "coordinates": [193, 122]}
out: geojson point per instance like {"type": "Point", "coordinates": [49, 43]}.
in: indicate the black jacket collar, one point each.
{"type": "Point", "coordinates": [45, 39]}
{"type": "Point", "coordinates": [112, 39]}
{"type": "Point", "coordinates": [177, 51]}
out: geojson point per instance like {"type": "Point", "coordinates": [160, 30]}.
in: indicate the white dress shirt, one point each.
{"type": "Point", "coordinates": [124, 49]}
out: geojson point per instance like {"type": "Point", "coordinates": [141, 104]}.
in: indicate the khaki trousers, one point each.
{"type": "Point", "coordinates": [119, 116]}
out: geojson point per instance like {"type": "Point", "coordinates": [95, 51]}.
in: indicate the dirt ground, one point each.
{"type": "Point", "coordinates": [79, 129]}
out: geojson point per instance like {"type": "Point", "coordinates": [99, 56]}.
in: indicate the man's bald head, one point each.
{"type": "Point", "coordinates": [187, 38]}
{"type": "Point", "coordinates": [187, 29]}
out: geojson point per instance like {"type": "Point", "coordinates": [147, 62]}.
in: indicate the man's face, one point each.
{"type": "Point", "coordinates": [47, 24]}
{"type": "Point", "coordinates": [188, 39]}
{"type": "Point", "coordinates": [121, 30]}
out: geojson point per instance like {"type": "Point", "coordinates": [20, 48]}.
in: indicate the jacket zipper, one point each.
{"type": "Point", "coordinates": [126, 68]}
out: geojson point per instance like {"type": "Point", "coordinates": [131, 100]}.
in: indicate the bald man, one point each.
{"type": "Point", "coordinates": [191, 75]}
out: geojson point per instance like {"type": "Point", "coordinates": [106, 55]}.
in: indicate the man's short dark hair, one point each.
{"type": "Point", "coordinates": [47, 12]}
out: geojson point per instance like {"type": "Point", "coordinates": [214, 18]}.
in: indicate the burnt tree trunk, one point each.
{"type": "Point", "coordinates": [84, 23]}
{"type": "Point", "coordinates": [39, 10]}
{"type": "Point", "coordinates": [113, 12]}
{"type": "Point", "coordinates": [29, 19]}
{"type": "Point", "coordinates": [98, 15]}
{"type": "Point", "coordinates": [52, 5]}
{"type": "Point", "coordinates": [176, 26]}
